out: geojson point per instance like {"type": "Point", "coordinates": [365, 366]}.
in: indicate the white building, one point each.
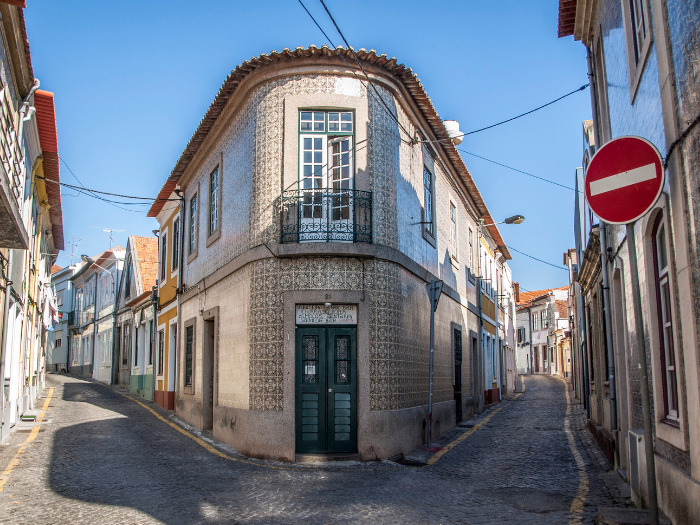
{"type": "Point", "coordinates": [539, 315]}
{"type": "Point", "coordinates": [94, 288]}
{"type": "Point", "coordinates": [58, 340]}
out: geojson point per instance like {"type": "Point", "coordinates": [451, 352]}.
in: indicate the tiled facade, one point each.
{"type": "Point", "coordinates": [244, 283]}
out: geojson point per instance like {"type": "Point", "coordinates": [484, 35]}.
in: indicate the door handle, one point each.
{"type": "Point", "coordinates": [330, 390]}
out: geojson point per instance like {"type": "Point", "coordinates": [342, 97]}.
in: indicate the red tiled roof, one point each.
{"type": "Point", "coordinates": [563, 309]}
{"type": "Point", "coordinates": [46, 124]}
{"type": "Point", "coordinates": [55, 269]}
{"type": "Point", "coordinates": [567, 17]}
{"type": "Point", "coordinates": [18, 3]}
{"type": "Point", "coordinates": [146, 253]}
{"type": "Point", "coordinates": [528, 297]}
{"type": "Point", "coordinates": [405, 76]}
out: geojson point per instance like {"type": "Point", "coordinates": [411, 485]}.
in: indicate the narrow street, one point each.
{"type": "Point", "coordinates": [101, 457]}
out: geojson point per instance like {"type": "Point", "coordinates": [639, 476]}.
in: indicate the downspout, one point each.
{"type": "Point", "coordinates": [3, 337]}
{"type": "Point", "coordinates": [178, 293]}
{"type": "Point", "coordinates": [529, 343]}
{"type": "Point", "coordinates": [603, 252]}
{"type": "Point", "coordinates": [24, 109]}
{"type": "Point", "coordinates": [154, 349]}
{"type": "Point", "coordinates": [608, 328]}
{"type": "Point", "coordinates": [94, 329]}
{"type": "Point", "coordinates": [114, 320]}
{"type": "Point", "coordinates": [584, 359]}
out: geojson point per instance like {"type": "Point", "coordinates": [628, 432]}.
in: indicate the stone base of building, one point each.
{"type": "Point", "coordinates": [491, 396]}
{"type": "Point", "coordinates": [165, 399]}
{"type": "Point", "coordinates": [142, 386]}
{"type": "Point", "coordinates": [382, 434]}
{"type": "Point", "coordinates": [606, 442]}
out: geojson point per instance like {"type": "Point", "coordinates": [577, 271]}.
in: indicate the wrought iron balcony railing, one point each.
{"type": "Point", "coordinates": [326, 215]}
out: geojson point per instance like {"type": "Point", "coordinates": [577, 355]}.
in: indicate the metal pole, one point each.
{"type": "Point", "coordinates": [430, 369]}
{"type": "Point", "coordinates": [644, 376]}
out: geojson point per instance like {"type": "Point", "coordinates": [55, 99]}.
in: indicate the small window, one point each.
{"type": "Point", "coordinates": [471, 251]}
{"type": "Point", "coordinates": [214, 201]}
{"type": "Point", "coordinates": [189, 354]}
{"type": "Point", "coordinates": [163, 257]}
{"type": "Point", "coordinates": [340, 121]}
{"type": "Point", "coordinates": [58, 343]}
{"type": "Point", "coordinates": [665, 321]}
{"type": "Point", "coordinates": [312, 121]}
{"type": "Point", "coordinates": [150, 342]}
{"type": "Point", "coordinates": [127, 280]}
{"type": "Point", "coordinates": [176, 245]}
{"type": "Point", "coordinates": [638, 35]}
{"type": "Point", "coordinates": [136, 346]}
{"type": "Point", "coordinates": [453, 230]}
{"type": "Point", "coordinates": [192, 240]}
{"type": "Point", "coordinates": [428, 212]}
{"type": "Point", "coordinates": [161, 350]}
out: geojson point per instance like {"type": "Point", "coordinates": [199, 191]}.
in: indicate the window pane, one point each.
{"type": "Point", "coordinates": [661, 248]}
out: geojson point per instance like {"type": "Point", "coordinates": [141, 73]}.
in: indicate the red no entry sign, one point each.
{"type": "Point", "coordinates": [624, 180]}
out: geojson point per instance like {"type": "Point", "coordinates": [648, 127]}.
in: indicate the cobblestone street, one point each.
{"type": "Point", "coordinates": [101, 457]}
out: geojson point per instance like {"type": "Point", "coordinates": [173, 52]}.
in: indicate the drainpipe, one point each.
{"type": "Point", "coordinates": [94, 329]}
{"type": "Point", "coordinates": [584, 358]}
{"type": "Point", "coordinates": [180, 285]}
{"type": "Point", "coordinates": [114, 320]}
{"type": "Point", "coordinates": [608, 327]}
{"type": "Point", "coordinates": [529, 343]}
{"type": "Point", "coordinates": [154, 348]}
{"type": "Point", "coordinates": [3, 337]}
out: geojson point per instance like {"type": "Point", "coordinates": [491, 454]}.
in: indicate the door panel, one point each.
{"type": "Point", "coordinates": [326, 398]}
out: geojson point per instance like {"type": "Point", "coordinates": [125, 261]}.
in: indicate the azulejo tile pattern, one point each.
{"type": "Point", "coordinates": [397, 352]}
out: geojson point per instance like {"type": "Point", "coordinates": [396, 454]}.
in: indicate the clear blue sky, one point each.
{"type": "Point", "coordinates": [132, 80]}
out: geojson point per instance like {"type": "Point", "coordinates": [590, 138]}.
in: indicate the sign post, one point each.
{"type": "Point", "coordinates": [434, 291]}
{"type": "Point", "coordinates": [623, 182]}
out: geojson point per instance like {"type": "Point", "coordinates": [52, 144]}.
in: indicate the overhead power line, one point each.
{"type": "Point", "coordinates": [352, 51]}
{"type": "Point", "coordinates": [519, 171]}
{"type": "Point", "coordinates": [512, 118]}
{"type": "Point", "coordinates": [539, 260]}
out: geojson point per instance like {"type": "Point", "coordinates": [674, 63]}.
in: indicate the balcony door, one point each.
{"type": "Point", "coordinates": [326, 176]}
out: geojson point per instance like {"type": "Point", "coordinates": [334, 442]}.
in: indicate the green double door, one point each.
{"type": "Point", "coordinates": [326, 389]}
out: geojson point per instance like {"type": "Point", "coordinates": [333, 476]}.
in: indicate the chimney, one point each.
{"type": "Point", "coordinates": [516, 287]}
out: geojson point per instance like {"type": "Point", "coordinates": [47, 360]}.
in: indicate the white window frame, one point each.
{"type": "Point", "coordinates": [453, 232]}
{"type": "Point", "coordinates": [636, 16]}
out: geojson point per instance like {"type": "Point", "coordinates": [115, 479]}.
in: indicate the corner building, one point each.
{"type": "Point", "coordinates": [313, 215]}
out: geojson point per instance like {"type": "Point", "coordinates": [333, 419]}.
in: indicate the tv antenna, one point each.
{"type": "Point", "coordinates": [74, 243]}
{"type": "Point", "coordinates": [111, 236]}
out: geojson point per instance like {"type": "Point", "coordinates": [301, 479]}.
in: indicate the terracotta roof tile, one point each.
{"type": "Point", "coordinates": [146, 252]}
{"type": "Point", "coordinates": [563, 309]}
{"type": "Point", "coordinates": [46, 124]}
{"type": "Point", "coordinates": [567, 17]}
{"type": "Point", "coordinates": [527, 297]}
{"type": "Point", "coordinates": [55, 269]}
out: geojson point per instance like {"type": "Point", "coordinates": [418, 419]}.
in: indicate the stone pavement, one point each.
{"type": "Point", "coordinates": [101, 457]}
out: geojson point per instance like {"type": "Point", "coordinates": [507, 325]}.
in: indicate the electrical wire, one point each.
{"type": "Point", "coordinates": [510, 119]}
{"type": "Point", "coordinates": [519, 171]}
{"type": "Point", "coordinates": [349, 47]}
{"type": "Point", "coordinates": [149, 199]}
{"type": "Point", "coordinates": [376, 92]}
{"type": "Point", "coordinates": [539, 260]}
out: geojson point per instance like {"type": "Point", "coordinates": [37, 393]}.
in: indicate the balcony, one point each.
{"type": "Point", "coordinates": [326, 215]}
{"type": "Point", "coordinates": [12, 230]}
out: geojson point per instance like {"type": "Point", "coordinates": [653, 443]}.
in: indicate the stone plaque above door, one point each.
{"type": "Point", "coordinates": [343, 314]}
